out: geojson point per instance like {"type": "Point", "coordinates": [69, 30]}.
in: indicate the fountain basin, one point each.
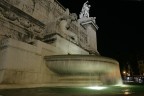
{"type": "Point", "coordinates": [81, 64]}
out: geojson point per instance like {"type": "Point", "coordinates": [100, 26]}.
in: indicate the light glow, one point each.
{"type": "Point", "coordinates": [121, 85]}
{"type": "Point", "coordinates": [127, 92]}
{"type": "Point", "coordinates": [96, 87]}
{"type": "Point", "coordinates": [124, 72]}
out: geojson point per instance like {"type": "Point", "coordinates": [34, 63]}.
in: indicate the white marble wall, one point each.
{"type": "Point", "coordinates": [24, 63]}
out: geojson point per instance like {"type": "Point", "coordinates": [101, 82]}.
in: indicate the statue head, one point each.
{"type": "Point", "coordinates": [73, 16]}
{"type": "Point", "coordinates": [67, 12]}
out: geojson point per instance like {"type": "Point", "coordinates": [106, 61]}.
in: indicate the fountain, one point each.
{"type": "Point", "coordinates": [93, 69]}
{"type": "Point", "coordinates": [85, 69]}
{"type": "Point", "coordinates": [53, 48]}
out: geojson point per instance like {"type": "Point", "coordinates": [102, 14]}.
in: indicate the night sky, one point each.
{"type": "Point", "coordinates": [121, 27]}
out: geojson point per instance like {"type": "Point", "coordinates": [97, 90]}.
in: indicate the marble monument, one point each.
{"type": "Point", "coordinates": [41, 42]}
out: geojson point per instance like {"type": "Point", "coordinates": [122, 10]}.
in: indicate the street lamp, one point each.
{"type": "Point", "coordinates": [124, 75]}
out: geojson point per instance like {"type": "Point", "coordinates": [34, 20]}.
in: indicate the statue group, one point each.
{"type": "Point", "coordinates": [85, 10]}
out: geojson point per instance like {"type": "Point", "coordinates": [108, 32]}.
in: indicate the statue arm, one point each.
{"type": "Point", "coordinates": [85, 3]}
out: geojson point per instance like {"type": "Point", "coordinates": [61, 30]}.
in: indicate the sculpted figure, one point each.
{"type": "Point", "coordinates": [65, 21]}
{"type": "Point", "coordinates": [62, 23]}
{"type": "Point", "coordinates": [85, 10]}
{"type": "Point", "coordinates": [62, 26]}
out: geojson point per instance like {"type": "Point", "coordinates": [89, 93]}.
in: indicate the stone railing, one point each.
{"type": "Point", "coordinates": [59, 6]}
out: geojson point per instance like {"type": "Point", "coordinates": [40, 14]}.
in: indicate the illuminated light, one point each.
{"type": "Point", "coordinates": [128, 78]}
{"type": "Point", "coordinates": [121, 85]}
{"type": "Point", "coordinates": [124, 85]}
{"type": "Point", "coordinates": [127, 92]}
{"type": "Point", "coordinates": [124, 72]}
{"type": "Point", "coordinates": [96, 87]}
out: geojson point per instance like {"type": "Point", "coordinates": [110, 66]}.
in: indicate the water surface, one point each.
{"type": "Point", "coordinates": [126, 90]}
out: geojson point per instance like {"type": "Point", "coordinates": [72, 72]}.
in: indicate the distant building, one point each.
{"type": "Point", "coordinates": [141, 67]}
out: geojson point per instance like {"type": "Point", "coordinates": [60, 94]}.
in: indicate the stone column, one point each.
{"type": "Point", "coordinates": [91, 28]}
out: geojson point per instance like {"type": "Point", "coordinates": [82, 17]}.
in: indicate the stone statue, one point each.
{"type": "Point", "coordinates": [85, 10]}
{"type": "Point", "coordinates": [65, 21]}
{"type": "Point", "coordinates": [62, 23]}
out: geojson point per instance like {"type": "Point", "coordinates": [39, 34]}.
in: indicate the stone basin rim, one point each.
{"type": "Point", "coordinates": [80, 57]}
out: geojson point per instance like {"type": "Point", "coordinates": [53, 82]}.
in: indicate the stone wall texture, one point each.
{"type": "Point", "coordinates": [30, 30]}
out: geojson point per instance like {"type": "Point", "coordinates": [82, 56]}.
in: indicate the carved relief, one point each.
{"type": "Point", "coordinates": [51, 6]}
{"type": "Point", "coordinates": [25, 5]}
{"type": "Point", "coordinates": [37, 29]}
{"type": "Point", "coordinates": [64, 23]}
{"type": "Point", "coordinates": [8, 14]}
{"type": "Point", "coordinates": [13, 2]}
{"type": "Point", "coordinates": [24, 22]}
{"type": "Point", "coordinates": [30, 28]}
{"type": "Point", "coordinates": [3, 43]}
{"type": "Point", "coordinates": [1, 10]}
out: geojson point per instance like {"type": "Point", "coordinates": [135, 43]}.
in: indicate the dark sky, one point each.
{"type": "Point", "coordinates": [121, 26]}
